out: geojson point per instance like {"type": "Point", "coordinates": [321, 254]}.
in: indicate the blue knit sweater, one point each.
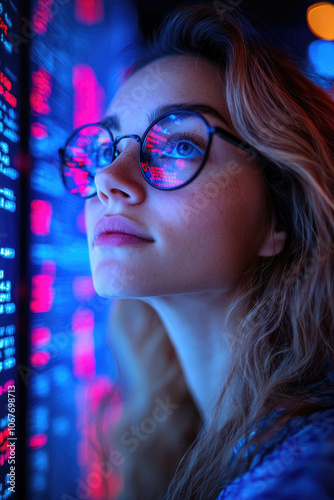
{"type": "Point", "coordinates": [297, 464]}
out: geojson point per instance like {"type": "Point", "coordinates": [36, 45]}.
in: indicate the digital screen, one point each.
{"type": "Point", "coordinates": [9, 244]}
{"type": "Point", "coordinates": [70, 368]}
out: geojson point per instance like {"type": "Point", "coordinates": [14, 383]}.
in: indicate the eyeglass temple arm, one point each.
{"type": "Point", "coordinates": [224, 134]}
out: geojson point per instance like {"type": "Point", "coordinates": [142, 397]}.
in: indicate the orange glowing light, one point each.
{"type": "Point", "coordinates": [320, 20]}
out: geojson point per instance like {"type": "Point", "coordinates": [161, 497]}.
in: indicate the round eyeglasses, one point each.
{"type": "Point", "coordinates": [172, 151]}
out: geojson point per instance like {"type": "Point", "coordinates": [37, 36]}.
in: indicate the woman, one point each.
{"type": "Point", "coordinates": [218, 242]}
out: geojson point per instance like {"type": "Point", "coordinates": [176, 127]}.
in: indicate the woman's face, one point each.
{"type": "Point", "coordinates": [204, 236]}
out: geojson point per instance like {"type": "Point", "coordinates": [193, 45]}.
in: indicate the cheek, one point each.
{"type": "Point", "coordinates": [224, 222]}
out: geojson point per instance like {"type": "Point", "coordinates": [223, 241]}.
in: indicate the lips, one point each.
{"type": "Point", "coordinates": [116, 224]}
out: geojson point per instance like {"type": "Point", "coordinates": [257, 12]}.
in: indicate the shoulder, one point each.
{"type": "Point", "coordinates": [300, 466]}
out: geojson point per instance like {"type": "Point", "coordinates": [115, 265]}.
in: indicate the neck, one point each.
{"type": "Point", "coordinates": [195, 325]}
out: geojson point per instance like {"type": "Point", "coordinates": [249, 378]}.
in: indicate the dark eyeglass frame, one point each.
{"type": "Point", "coordinates": [223, 134]}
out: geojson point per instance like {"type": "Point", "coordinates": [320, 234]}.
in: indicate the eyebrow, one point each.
{"type": "Point", "coordinates": [186, 106]}
{"type": "Point", "coordinates": [113, 121]}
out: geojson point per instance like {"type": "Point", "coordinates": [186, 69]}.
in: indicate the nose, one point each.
{"type": "Point", "coordinates": [122, 179]}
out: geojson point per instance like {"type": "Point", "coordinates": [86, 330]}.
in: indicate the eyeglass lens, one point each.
{"type": "Point", "coordinates": [87, 152]}
{"type": "Point", "coordinates": [172, 152]}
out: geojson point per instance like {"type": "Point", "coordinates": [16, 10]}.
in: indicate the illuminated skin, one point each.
{"type": "Point", "coordinates": [192, 269]}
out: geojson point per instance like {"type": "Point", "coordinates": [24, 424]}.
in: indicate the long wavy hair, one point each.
{"type": "Point", "coordinates": [284, 343]}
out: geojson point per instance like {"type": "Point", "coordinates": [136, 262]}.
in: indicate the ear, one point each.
{"type": "Point", "coordinates": [274, 240]}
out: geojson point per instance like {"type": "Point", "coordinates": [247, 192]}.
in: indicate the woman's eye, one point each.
{"type": "Point", "coordinates": [107, 154]}
{"type": "Point", "coordinates": [184, 149]}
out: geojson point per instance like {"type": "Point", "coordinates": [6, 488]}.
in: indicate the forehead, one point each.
{"type": "Point", "coordinates": [169, 80]}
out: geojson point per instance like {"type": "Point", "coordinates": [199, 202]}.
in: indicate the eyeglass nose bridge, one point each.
{"type": "Point", "coordinates": [130, 136]}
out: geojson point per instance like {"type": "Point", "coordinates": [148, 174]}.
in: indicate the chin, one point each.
{"type": "Point", "coordinates": [116, 287]}
{"type": "Point", "coordinates": [111, 287]}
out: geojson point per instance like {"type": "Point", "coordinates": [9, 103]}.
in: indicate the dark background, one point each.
{"type": "Point", "coordinates": [283, 20]}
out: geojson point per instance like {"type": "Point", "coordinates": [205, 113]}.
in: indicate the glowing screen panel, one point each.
{"type": "Point", "coordinates": [9, 245]}
{"type": "Point", "coordinates": [70, 367]}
